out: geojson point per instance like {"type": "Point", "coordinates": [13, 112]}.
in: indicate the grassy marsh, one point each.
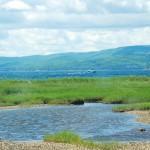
{"type": "Point", "coordinates": [124, 90]}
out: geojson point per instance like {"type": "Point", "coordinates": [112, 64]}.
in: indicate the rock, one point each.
{"type": "Point", "coordinates": [142, 130]}
{"type": "Point", "coordinates": [78, 102]}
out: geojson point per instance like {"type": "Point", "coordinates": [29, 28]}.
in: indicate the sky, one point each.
{"type": "Point", "coordinates": [41, 27]}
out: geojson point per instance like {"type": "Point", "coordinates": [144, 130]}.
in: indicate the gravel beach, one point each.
{"type": "Point", "coordinates": [59, 146]}
{"type": "Point", "coordinates": [37, 146]}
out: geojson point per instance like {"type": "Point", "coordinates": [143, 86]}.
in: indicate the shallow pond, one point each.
{"type": "Point", "coordinates": [90, 121]}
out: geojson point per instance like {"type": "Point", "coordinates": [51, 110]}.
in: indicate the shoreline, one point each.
{"type": "Point", "coordinates": [28, 106]}
{"type": "Point", "coordinates": [142, 116]}
{"type": "Point", "coordinates": [45, 105]}
{"type": "Point", "coordinates": [7, 145]}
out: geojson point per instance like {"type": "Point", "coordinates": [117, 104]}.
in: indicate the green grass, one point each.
{"type": "Point", "coordinates": [64, 137]}
{"type": "Point", "coordinates": [71, 138]}
{"type": "Point", "coordinates": [124, 90]}
{"type": "Point", "coordinates": [131, 107]}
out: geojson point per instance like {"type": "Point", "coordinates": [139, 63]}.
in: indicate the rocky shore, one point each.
{"type": "Point", "coordinates": [37, 146]}
{"type": "Point", "coordinates": [59, 146]}
{"type": "Point", "coordinates": [136, 146]}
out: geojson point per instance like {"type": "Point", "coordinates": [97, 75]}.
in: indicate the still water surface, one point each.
{"type": "Point", "coordinates": [71, 73]}
{"type": "Point", "coordinates": [90, 121]}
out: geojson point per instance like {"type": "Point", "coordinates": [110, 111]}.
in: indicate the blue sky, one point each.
{"type": "Point", "coordinates": [31, 27]}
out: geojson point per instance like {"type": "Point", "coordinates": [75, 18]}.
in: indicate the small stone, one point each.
{"type": "Point", "coordinates": [78, 102]}
{"type": "Point", "coordinates": [142, 130]}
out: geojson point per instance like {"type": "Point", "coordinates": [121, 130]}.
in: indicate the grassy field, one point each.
{"type": "Point", "coordinates": [71, 138]}
{"type": "Point", "coordinates": [124, 90]}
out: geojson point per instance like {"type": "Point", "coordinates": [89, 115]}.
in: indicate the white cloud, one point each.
{"type": "Point", "coordinates": [41, 7]}
{"type": "Point", "coordinates": [127, 6]}
{"type": "Point", "coordinates": [44, 41]}
{"type": "Point", "coordinates": [78, 5]}
{"type": "Point", "coordinates": [38, 19]}
{"type": "Point", "coordinates": [30, 27]}
{"type": "Point", "coordinates": [76, 14]}
{"type": "Point", "coordinates": [57, 20]}
{"type": "Point", "coordinates": [15, 5]}
{"type": "Point", "coordinates": [65, 6]}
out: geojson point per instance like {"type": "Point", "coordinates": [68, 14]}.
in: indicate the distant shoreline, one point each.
{"type": "Point", "coordinates": [28, 106]}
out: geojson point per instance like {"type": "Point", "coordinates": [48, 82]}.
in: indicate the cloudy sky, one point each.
{"type": "Point", "coordinates": [30, 27]}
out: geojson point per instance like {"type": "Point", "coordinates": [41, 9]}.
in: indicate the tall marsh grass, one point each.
{"type": "Point", "coordinates": [124, 90]}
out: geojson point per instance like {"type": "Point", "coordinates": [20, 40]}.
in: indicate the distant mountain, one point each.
{"type": "Point", "coordinates": [132, 57]}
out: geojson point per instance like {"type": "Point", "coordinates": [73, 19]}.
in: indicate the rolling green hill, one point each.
{"type": "Point", "coordinates": [132, 57]}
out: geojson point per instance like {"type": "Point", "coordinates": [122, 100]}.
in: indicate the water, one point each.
{"type": "Point", "coordinates": [70, 73]}
{"type": "Point", "coordinates": [90, 121]}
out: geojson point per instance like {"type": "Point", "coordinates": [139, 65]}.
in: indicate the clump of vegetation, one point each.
{"type": "Point", "coordinates": [63, 137]}
{"type": "Point", "coordinates": [71, 138]}
{"type": "Point", "coordinates": [10, 91]}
